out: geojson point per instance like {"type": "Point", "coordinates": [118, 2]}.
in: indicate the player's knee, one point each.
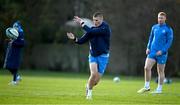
{"type": "Point", "coordinates": [94, 74]}
{"type": "Point", "coordinates": [161, 72]}
{"type": "Point", "coordinates": [93, 77]}
{"type": "Point", "coordinates": [146, 68]}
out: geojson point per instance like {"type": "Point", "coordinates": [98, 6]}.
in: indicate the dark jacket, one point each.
{"type": "Point", "coordinates": [14, 50]}
{"type": "Point", "coordinates": [99, 38]}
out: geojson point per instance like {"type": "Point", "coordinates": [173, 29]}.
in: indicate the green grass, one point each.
{"type": "Point", "coordinates": [69, 88]}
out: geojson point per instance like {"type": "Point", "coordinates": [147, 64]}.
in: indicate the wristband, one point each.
{"type": "Point", "coordinates": [82, 23]}
{"type": "Point", "coordinates": [74, 39]}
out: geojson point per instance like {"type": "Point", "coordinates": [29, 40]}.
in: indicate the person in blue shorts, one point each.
{"type": "Point", "coordinates": [99, 40]}
{"type": "Point", "coordinates": [160, 40]}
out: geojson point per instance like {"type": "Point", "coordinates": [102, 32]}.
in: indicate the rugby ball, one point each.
{"type": "Point", "coordinates": [12, 33]}
{"type": "Point", "coordinates": [88, 22]}
{"type": "Point", "coordinates": [116, 79]}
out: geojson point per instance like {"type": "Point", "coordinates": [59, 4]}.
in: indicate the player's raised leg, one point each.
{"type": "Point", "coordinates": [149, 63]}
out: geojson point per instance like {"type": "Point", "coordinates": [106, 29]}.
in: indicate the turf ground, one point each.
{"type": "Point", "coordinates": [43, 87]}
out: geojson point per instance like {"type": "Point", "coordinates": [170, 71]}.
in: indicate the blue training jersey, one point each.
{"type": "Point", "coordinates": [161, 38]}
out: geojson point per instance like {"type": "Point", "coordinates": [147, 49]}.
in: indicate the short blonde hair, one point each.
{"type": "Point", "coordinates": [162, 14]}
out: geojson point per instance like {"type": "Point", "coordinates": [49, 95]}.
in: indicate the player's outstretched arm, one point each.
{"type": "Point", "coordinates": [81, 40]}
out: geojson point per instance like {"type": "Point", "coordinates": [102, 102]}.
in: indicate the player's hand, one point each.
{"type": "Point", "coordinates": [147, 51]}
{"type": "Point", "coordinates": [70, 35]}
{"type": "Point", "coordinates": [78, 20]}
{"type": "Point", "coordinates": [159, 53]}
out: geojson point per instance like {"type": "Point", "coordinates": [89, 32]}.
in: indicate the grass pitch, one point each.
{"type": "Point", "coordinates": [43, 87]}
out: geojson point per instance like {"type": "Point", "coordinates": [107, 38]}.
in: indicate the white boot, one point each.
{"type": "Point", "coordinates": [89, 94]}
{"type": "Point", "coordinates": [13, 83]}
